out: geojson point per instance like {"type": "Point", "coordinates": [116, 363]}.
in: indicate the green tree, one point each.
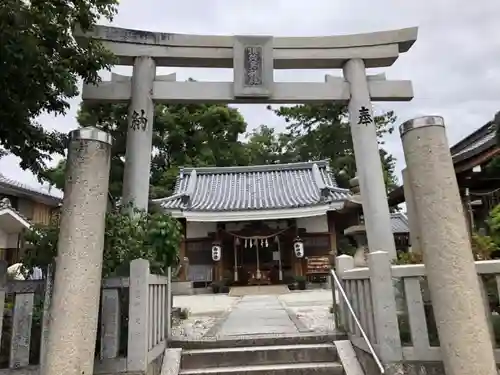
{"type": "Point", "coordinates": [155, 237]}
{"type": "Point", "coordinates": [264, 145]}
{"type": "Point", "coordinates": [184, 135]}
{"type": "Point", "coordinates": [41, 67]}
{"type": "Point", "coordinates": [322, 131]}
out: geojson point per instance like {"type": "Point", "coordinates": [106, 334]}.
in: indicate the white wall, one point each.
{"type": "Point", "coordinates": [196, 229]}
{"type": "Point", "coordinates": [3, 239]}
{"type": "Point", "coordinates": [12, 240]}
{"type": "Point", "coordinates": [8, 241]}
{"type": "Point", "coordinates": [314, 224]}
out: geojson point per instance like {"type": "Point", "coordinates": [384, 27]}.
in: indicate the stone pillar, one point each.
{"type": "Point", "coordinates": [343, 263]}
{"type": "Point", "coordinates": [139, 134]}
{"type": "Point", "coordinates": [411, 208]}
{"type": "Point", "coordinates": [384, 296]}
{"type": "Point", "coordinates": [368, 164]}
{"type": "Point", "coordinates": [455, 291]}
{"type": "Point", "coordinates": [77, 285]}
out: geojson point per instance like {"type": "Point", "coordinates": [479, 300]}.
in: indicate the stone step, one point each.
{"type": "Point", "coordinates": [264, 355]}
{"type": "Point", "coordinates": [257, 340]}
{"type": "Point", "coordinates": [330, 368]}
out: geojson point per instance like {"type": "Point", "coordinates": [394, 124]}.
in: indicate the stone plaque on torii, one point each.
{"type": "Point", "coordinates": [253, 59]}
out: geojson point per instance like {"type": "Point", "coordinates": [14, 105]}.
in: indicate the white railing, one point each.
{"type": "Point", "coordinates": [395, 310]}
{"type": "Point", "coordinates": [352, 316]}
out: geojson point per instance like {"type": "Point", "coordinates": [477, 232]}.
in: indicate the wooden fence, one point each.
{"type": "Point", "coordinates": [393, 305]}
{"type": "Point", "coordinates": [133, 322]}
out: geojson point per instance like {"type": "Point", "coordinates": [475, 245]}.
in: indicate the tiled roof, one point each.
{"type": "Point", "coordinates": [53, 194]}
{"type": "Point", "coordinates": [5, 204]}
{"type": "Point", "coordinates": [480, 140]}
{"type": "Point", "coordinates": [399, 223]}
{"type": "Point", "coordinates": [258, 187]}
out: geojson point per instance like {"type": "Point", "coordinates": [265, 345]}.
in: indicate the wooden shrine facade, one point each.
{"type": "Point", "coordinates": [259, 252]}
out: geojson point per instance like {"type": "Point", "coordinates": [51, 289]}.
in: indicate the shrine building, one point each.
{"type": "Point", "coordinates": [261, 224]}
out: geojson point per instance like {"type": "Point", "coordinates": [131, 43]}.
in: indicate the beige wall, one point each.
{"type": "Point", "coordinates": [8, 240]}
{"type": "Point", "coordinates": [197, 229]}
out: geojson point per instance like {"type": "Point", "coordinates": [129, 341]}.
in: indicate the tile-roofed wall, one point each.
{"type": "Point", "coordinates": [399, 223]}
{"type": "Point", "coordinates": [255, 187]}
{"type": "Point", "coordinates": [53, 193]}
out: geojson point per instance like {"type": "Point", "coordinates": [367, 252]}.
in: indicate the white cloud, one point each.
{"type": "Point", "coordinates": [453, 65]}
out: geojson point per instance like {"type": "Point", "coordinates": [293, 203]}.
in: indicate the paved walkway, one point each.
{"type": "Point", "coordinates": [254, 315]}
{"type": "Point", "coordinates": [215, 315]}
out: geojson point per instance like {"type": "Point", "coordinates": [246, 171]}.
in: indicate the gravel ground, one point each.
{"type": "Point", "coordinates": [312, 308]}
{"type": "Point", "coordinates": [317, 319]}
{"type": "Point", "coordinates": [204, 312]}
{"type": "Point", "coordinates": [193, 328]}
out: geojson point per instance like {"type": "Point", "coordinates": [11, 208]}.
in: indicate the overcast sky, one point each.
{"type": "Point", "coordinates": [454, 65]}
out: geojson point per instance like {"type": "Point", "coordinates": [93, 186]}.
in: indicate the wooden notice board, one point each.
{"type": "Point", "coordinates": [317, 265]}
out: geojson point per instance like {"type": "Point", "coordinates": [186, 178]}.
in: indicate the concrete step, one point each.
{"type": "Point", "coordinates": [257, 340]}
{"type": "Point", "coordinates": [330, 368]}
{"type": "Point", "coordinates": [263, 355]}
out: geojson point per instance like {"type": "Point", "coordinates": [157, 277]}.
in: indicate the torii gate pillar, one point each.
{"type": "Point", "coordinates": [139, 135]}
{"type": "Point", "coordinates": [368, 163]}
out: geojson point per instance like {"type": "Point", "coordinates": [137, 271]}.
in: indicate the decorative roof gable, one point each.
{"type": "Point", "coordinates": [258, 187]}
{"type": "Point", "coordinates": [11, 220]}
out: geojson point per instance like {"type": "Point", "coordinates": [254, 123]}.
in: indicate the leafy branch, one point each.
{"type": "Point", "coordinates": [155, 237]}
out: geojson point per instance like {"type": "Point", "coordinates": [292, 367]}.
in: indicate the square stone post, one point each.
{"type": "Point", "coordinates": [74, 309]}
{"type": "Point", "coordinates": [343, 263]}
{"type": "Point", "coordinates": [384, 308]}
{"type": "Point", "coordinates": [138, 312]}
{"type": "Point", "coordinates": [451, 273]}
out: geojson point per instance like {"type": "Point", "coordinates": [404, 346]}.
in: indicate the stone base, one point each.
{"type": "Point", "coordinates": [403, 368]}
{"type": "Point", "coordinates": [182, 288]}
{"type": "Point", "coordinates": [154, 368]}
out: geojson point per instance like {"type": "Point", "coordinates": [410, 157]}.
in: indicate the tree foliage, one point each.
{"type": "Point", "coordinates": [184, 135]}
{"type": "Point", "coordinates": [41, 66]}
{"type": "Point", "coordinates": [152, 236]}
{"type": "Point", "coordinates": [214, 135]}
{"type": "Point", "coordinates": [322, 131]}
{"type": "Point", "coordinates": [484, 246]}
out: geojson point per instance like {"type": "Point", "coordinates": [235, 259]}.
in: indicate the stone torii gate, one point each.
{"type": "Point", "coordinates": [253, 59]}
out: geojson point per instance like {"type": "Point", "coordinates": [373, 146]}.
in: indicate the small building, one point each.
{"type": "Point", "coordinates": [21, 206]}
{"type": "Point", "coordinates": [255, 216]}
